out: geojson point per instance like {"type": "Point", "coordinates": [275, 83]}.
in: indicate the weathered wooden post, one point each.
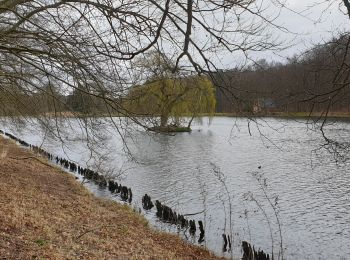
{"type": "Point", "coordinates": [224, 249]}
{"type": "Point", "coordinates": [130, 195]}
{"type": "Point", "coordinates": [192, 226]}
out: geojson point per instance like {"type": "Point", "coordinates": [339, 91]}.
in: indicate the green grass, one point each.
{"type": "Point", "coordinates": [41, 242]}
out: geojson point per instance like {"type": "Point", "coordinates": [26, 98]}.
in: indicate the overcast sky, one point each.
{"type": "Point", "coordinates": [311, 22]}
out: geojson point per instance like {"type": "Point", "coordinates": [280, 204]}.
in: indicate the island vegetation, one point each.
{"type": "Point", "coordinates": [167, 96]}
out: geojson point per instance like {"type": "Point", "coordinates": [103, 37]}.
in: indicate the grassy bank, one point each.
{"type": "Point", "coordinates": [46, 213]}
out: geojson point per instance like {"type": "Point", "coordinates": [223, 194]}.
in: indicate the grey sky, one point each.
{"type": "Point", "coordinates": [317, 22]}
{"type": "Point", "coordinates": [310, 23]}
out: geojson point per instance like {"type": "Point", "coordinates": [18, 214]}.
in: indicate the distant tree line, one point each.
{"type": "Point", "coordinates": [315, 81]}
{"type": "Point", "coordinates": [50, 101]}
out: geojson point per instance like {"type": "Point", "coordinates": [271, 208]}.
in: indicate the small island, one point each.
{"type": "Point", "coordinates": [169, 101]}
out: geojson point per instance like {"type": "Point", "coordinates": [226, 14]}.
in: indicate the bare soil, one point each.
{"type": "Point", "coordinates": [46, 214]}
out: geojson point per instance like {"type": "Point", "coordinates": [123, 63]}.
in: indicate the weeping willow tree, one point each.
{"type": "Point", "coordinates": [167, 100]}
{"type": "Point", "coordinates": [169, 94]}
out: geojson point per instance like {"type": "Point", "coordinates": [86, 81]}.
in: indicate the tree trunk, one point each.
{"type": "Point", "coordinates": [189, 123]}
{"type": "Point", "coordinates": [163, 120]}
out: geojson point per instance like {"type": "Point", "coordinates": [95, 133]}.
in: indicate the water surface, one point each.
{"type": "Point", "coordinates": [214, 171]}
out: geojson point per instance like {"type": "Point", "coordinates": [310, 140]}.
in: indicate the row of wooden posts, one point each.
{"type": "Point", "coordinates": [164, 213]}
{"type": "Point", "coordinates": [99, 179]}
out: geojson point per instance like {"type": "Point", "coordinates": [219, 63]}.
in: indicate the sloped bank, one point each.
{"type": "Point", "coordinates": [164, 213]}
{"type": "Point", "coordinates": [45, 213]}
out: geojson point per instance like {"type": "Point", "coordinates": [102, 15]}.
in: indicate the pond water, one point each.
{"type": "Point", "coordinates": [258, 182]}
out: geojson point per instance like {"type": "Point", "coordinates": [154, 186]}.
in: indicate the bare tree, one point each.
{"type": "Point", "coordinates": [88, 44]}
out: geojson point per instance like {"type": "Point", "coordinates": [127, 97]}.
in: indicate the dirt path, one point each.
{"type": "Point", "coordinates": [46, 214]}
